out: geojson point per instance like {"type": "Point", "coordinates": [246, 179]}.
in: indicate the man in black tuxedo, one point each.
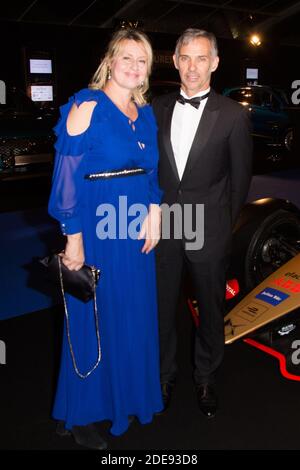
{"type": "Point", "coordinates": [205, 162]}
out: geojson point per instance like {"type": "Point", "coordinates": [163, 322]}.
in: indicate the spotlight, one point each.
{"type": "Point", "coordinates": [255, 40]}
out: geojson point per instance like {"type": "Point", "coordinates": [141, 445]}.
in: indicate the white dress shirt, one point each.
{"type": "Point", "coordinates": [185, 121]}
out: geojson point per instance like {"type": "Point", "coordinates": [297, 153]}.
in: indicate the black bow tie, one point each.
{"type": "Point", "coordinates": [195, 102]}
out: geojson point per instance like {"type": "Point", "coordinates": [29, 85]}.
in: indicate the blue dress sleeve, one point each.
{"type": "Point", "coordinates": [65, 201]}
{"type": "Point", "coordinates": [155, 193]}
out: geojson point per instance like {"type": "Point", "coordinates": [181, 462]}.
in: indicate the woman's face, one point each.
{"type": "Point", "coordinates": [130, 67]}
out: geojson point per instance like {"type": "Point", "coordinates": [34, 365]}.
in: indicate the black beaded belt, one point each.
{"type": "Point", "coordinates": [115, 173]}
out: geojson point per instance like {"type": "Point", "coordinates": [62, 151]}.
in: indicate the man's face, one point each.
{"type": "Point", "coordinates": [195, 63]}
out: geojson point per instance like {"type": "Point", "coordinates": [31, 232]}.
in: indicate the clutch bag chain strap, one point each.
{"type": "Point", "coordinates": [80, 374]}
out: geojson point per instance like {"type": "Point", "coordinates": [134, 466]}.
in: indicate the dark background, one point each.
{"type": "Point", "coordinates": [258, 407]}
{"type": "Point", "coordinates": [77, 52]}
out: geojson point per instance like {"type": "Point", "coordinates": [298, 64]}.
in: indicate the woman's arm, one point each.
{"type": "Point", "coordinates": [73, 255]}
{"type": "Point", "coordinates": [65, 198]}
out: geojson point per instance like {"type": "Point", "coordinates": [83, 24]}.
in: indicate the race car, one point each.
{"type": "Point", "coordinates": [270, 312]}
{"type": "Point", "coordinates": [263, 287]}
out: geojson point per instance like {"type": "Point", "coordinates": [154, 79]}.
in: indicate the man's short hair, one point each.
{"type": "Point", "coordinates": [192, 33]}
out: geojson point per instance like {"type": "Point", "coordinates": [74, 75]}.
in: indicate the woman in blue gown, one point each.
{"type": "Point", "coordinates": [105, 174]}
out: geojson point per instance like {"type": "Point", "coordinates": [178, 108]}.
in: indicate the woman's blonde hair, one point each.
{"type": "Point", "coordinates": [101, 75]}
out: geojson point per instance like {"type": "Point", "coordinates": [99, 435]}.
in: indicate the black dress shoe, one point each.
{"type": "Point", "coordinates": [88, 436]}
{"type": "Point", "coordinates": [131, 418]}
{"type": "Point", "coordinates": [61, 430]}
{"type": "Point", "coordinates": [166, 391]}
{"type": "Point", "coordinates": [207, 399]}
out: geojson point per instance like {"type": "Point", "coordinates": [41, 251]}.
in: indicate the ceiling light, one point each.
{"type": "Point", "coordinates": [255, 40]}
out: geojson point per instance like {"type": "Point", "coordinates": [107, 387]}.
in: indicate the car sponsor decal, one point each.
{"type": "Point", "coordinates": [288, 284]}
{"type": "Point", "coordinates": [272, 296]}
{"type": "Point", "coordinates": [252, 311]}
{"type": "Point", "coordinates": [286, 329]}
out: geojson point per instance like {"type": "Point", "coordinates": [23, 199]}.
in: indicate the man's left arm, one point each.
{"type": "Point", "coordinates": [241, 149]}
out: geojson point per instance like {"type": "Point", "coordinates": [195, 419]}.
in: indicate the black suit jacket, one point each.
{"type": "Point", "coordinates": [218, 169]}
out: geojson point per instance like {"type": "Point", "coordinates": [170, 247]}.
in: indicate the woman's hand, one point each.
{"type": "Point", "coordinates": [73, 256]}
{"type": "Point", "coordinates": [151, 228]}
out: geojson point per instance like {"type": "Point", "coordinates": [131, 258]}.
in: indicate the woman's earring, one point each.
{"type": "Point", "coordinates": [141, 85]}
{"type": "Point", "coordinates": [108, 74]}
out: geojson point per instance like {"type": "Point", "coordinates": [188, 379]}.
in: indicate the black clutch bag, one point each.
{"type": "Point", "coordinates": [81, 284]}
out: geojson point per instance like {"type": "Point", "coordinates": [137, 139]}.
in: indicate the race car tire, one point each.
{"type": "Point", "coordinates": [288, 140]}
{"type": "Point", "coordinates": [271, 245]}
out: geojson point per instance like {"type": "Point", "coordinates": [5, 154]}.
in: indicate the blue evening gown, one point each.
{"type": "Point", "coordinates": [126, 382]}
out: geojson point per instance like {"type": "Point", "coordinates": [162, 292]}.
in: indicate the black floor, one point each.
{"type": "Point", "coordinates": [258, 408]}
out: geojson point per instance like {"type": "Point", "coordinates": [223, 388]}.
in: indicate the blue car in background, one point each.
{"type": "Point", "coordinates": [270, 111]}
